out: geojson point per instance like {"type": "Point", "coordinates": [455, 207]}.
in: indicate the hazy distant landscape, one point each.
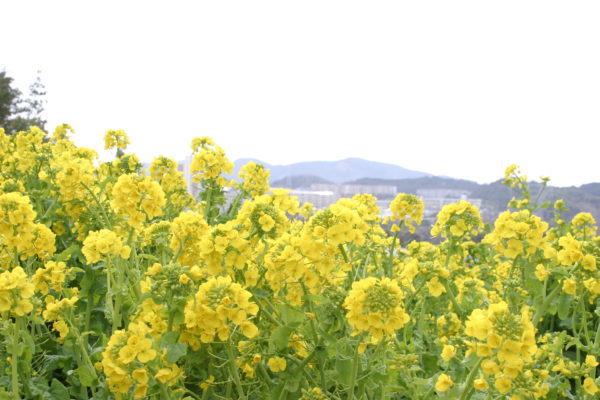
{"type": "Point", "coordinates": [357, 171]}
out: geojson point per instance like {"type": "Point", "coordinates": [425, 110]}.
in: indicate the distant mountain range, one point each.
{"type": "Point", "coordinates": [340, 171]}
{"type": "Point", "coordinates": [494, 196]}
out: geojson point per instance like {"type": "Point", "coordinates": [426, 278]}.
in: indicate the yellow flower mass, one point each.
{"type": "Point", "coordinates": [116, 281]}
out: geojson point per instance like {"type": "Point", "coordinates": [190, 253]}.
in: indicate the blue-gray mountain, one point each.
{"type": "Point", "coordinates": [340, 171]}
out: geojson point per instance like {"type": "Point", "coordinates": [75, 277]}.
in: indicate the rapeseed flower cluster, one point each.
{"type": "Point", "coordinates": [103, 243]}
{"type": "Point", "coordinates": [107, 265]}
{"type": "Point", "coordinates": [225, 248]}
{"type": "Point", "coordinates": [375, 306]}
{"type": "Point", "coordinates": [255, 179]}
{"type": "Point", "coordinates": [408, 210]}
{"type": "Point", "coordinates": [457, 220]}
{"type": "Point", "coordinates": [116, 139]}
{"type": "Point", "coordinates": [217, 307]}
{"type": "Point", "coordinates": [16, 291]}
{"type": "Point", "coordinates": [20, 232]}
{"type": "Point", "coordinates": [52, 275]}
{"type": "Point", "coordinates": [209, 161]}
{"type": "Point", "coordinates": [130, 361]}
{"type": "Point", "coordinates": [137, 199]}
{"type": "Point", "coordinates": [505, 340]}
{"type": "Point", "coordinates": [187, 232]}
{"type": "Point", "coordinates": [516, 233]}
{"type": "Point", "coordinates": [54, 312]}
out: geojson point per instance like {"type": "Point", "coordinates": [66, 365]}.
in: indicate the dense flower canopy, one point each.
{"type": "Point", "coordinates": [116, 282]}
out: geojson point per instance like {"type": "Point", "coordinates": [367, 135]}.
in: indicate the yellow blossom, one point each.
{"type": "Point", "coordinates": [276, 364]}
{"type": "Point", "coordinates": [443, 383]}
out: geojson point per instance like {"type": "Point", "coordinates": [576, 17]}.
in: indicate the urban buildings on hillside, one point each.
{"type": "Point", "coordinates": [323, 195]}
{"type": "Point", "coordinates": [435, 199]}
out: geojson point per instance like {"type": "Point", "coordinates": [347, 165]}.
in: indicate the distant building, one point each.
{"type": "Point", "coordinates": [435, 199]}
{"type": "Point", "coordinates": [318, 198]}
{"type": "Point", "coordinates": [383, 191]}
{"type": "Point", "coordinates": [184, 167]}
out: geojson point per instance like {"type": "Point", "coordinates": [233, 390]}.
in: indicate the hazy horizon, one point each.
{"type": "Point", "coordinates": [460, 89]}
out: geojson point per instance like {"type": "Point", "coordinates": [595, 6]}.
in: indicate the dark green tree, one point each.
{"type": "Point", "coordinates": [18, 113]}
{"type": "Point", "coordinates": [8, 98]}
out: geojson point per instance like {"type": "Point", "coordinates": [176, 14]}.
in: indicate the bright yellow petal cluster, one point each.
{"type": "Point", "coordinates": [517, 233]}
{"type": "Point", "coordinates": [16, 291]}
{"type": "Point", "coordinates": [506, 340]}
{"type": "Point", "coordinates": [375, 306]}
{"type": "Point", "coordinates": [19, 231]}
{"type": "Point", "coordinates": [457, 220]}
{"type": "Point", "coordinates": [99, 244]}
{"type": "Point", "coordinates": [137, 199]}
{"type": "Point", "coordinates": [219, 304]}
{"type": "Point", "coordinates": [407, 209]}
{"type": "Point", "coordinates": [255, 179]}
{"type": "Point", "coordinates": [187, 233]}
{"type": "Point", "coordinates": [115, 139]}
{"type": "Point", "coordinates": [209, 161]}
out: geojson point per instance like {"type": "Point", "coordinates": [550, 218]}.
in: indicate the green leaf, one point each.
{"type": "Point", "coordinates": [176, 351]}
{"type": "Point", "coordinates": [280, 337]}
{"type": "Point", "coordinates": [38, 386]}
{"type": "Point", "coordinates": [66, 253]}
{"type": "Point", "coordinates": [169, 338]}
{"type": "Point", "coordinates": [316, 298]}
{"type": "Point", "coordinates": [54, 362]}
{"type": "Point", "coordinates": [344, 370]}
{"type": "Point", "coordinates": [292, 382]}
{"type": "Point", "coordinates": [148, 257]}
{"type": "Point", "coordinates": [290, 315]}
{"type": "Point", "coordinates": [58, 391]}
{"type": "Point", "coordinates": [85, 376]}
{"type": "Point", "coordinates": [564, 304]}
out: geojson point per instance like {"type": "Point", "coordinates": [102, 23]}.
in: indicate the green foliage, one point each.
{"type": "Point", "coordinates": [18, 113]}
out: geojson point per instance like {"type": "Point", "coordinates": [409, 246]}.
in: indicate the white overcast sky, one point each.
{"type": "Point", "coordinates": [456, 88]}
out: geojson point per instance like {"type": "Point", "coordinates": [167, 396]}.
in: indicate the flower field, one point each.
{"type": "Point", "coordinates": [116, 283]}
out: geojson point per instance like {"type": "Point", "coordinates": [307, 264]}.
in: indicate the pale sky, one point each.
{"type": "Point", "coordinates": [456, 88]}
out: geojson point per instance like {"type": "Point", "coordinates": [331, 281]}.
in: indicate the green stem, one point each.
{"type": "Point", "coordinates": [466, 393]}
{"type": "Point", "coordinates": [355, 361]}
{"type": "Point", "coordinates": [538, 314]}
{"type": "Point", "coordinates": [208, 206]}
{"type": "Point", "coordinates": [89, 305]}
{"type": "Point", "coordinates": [449, 290]}
{"type": "Point", "coordinates": [15, 359]}
{"type": "Point", "coordinates": [389, 267]}
{"type": "Point", "coordinates": [234, 371]}
{"type": "Point", "coordinates": [86, 357]}
{"type": "Point", "coordinates": [452, 297]}
{"type": "Point", "coordinates": [97, 201]}
{"type": "Point", "coordinates": [343, 251]}
{"type": "Point", "coordinates": [263, 372]}
{"type": "Point", "coordinates": [164, 393]}
{"type": "Point", "coordinates": [597, 338]}
{"type": "Point", "coordinates": [316, 339]}
{"type": "Point", "coordinates": [584, 322]}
